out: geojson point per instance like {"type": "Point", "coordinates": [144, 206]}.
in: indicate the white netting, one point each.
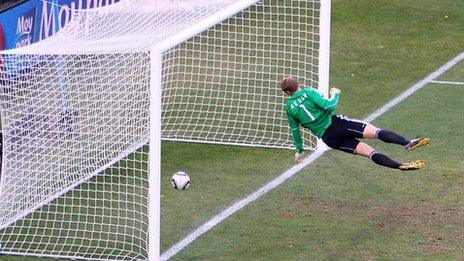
{"type": "Point", "coordinates": [54, 143]}
{"type": "Point", "coordinates": [127, 26]}
{"type": "Point", "coordinates": [223, 85]}
{"type": "Point", "coordinates": [75, 113]}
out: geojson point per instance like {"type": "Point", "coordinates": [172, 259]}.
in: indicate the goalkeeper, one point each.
{"type": "Point", "coordinates": [308, 108]}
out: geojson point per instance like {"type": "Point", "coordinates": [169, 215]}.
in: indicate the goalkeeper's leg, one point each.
{"type": "Point", "coordinates": [383, 160]}
{"type": "Point", "coordinates": [372, 132]}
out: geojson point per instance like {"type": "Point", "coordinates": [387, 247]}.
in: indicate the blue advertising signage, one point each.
{"type": "Point", "coordinates": [36, 20]}
{"type": "Point", "coordinates": [25, 27]}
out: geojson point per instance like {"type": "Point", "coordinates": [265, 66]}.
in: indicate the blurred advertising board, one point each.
{"type": "Point", "coordinates": [35, 20]}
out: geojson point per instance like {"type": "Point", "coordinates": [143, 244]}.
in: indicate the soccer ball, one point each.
{"type": "Point", "coordinates": [180, 180]}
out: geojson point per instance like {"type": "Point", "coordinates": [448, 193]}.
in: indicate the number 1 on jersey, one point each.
{"type": "Point", "coordinates": [307, 112]}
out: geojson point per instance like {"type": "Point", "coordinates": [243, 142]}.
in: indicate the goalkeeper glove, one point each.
{"type": "Point", "coordinates": [334, 91]}
{"type": "Point", "coordinates": [299, 157]}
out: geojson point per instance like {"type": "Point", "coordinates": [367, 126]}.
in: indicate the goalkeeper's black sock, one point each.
{"type": "Point", "coordinates": [383, 160]}
{"type": "Point", "coordinates": [391, 137]}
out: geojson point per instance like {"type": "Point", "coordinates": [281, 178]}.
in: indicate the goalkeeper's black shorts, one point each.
{"type": "Point", "coordinates": [343, 133]}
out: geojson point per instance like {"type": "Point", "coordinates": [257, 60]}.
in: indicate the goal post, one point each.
{"type": "Point", "coordinates": [324, 53]}
{"type": "Point", "coordinates": [154, 167]}
{"type": "Point", "coordinates": [84, 182]}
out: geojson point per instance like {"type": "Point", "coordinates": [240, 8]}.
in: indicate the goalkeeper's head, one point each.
{"type": "Point", "coordinates": [289, 85]}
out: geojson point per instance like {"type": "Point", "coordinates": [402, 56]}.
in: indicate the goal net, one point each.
{"type": "Point", "coordinates": [76, 115]}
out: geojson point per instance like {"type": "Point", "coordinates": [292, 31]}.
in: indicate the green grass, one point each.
{"type": "Point", "coordinates": [454, 74]}
{"type": "Point", "coordinates": [214, 170]}
{"type": "Point", "coordinates": [341, 206]}
{"type": "Point", "coordinates": [389, 45]}
{"type": "Point", "coordinates": [345, 207]}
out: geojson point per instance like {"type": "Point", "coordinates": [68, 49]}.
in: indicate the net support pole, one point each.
{"type": "Point", "coordinates": [154, 158]}
{"type": "Point", "coordinates": [324, 53]}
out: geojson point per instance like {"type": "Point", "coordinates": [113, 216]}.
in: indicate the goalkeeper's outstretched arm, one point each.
{"type": "Point", "coordinates": [295, 129]}
{"type": "Point", "coordinates": [297, 140]}
{"type": "Point", "coordinates": [330, 104]}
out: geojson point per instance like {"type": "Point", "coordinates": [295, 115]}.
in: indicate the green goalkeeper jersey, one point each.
{"type": "Point", "coordinates": [309, 108]}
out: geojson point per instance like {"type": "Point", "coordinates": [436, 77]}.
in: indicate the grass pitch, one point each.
{"type": "Point", "coordinates": [345, 207]}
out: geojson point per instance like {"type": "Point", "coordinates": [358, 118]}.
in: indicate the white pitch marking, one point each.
{"type": "Point", "coordinates": [448, 82]}
{"type": "Point", "coordinates": [295, 169]}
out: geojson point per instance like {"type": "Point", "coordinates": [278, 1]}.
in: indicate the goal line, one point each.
{"type": "Point", "coordinates": [295, 169]}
